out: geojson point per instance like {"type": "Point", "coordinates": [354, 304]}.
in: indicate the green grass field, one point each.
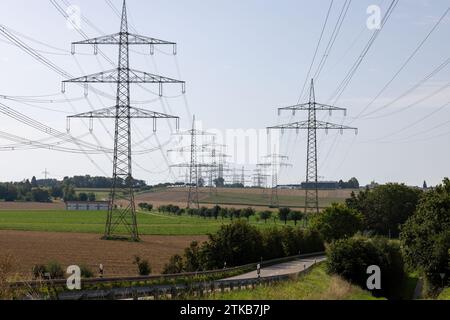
{"type": "Point", "coordinates": [317, 285]}
{"type": "Point", "coordinates": [94, 222]}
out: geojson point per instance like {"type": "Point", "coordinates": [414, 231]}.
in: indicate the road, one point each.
{"type": "Point", "coordinates": [292, 267]}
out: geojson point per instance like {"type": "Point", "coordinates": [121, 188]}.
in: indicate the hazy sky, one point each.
{"type": "Point", "coordinates": [241, 60]}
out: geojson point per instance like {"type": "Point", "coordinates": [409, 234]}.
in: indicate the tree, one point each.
{"type": "Point", "coordinates": [386, 207]}
{"type": "Point", "coordinates": [265, 215]}
{"type": "Point", "coordinates": [34, 182]}
{"type": "Point", "coordinates": [337, 222]}
{"type": "Point", "coordinates": [219, 183]}
{"type": "Point", "coordinates": [83, 197]}
{"type": "Point", "coordinates": [350, 258]}
{"type": "Point", "coordinates": [425, 186]}
{"type": "Point", "coordinates": [91, 196]}
{"type": "Point", "coordinates": [283, 214]}
{"type": "Point", "coordinates": [235, 244]}
{"type": "Point", "coordinates": [295, 216]}
{"type": "Point", "coordinates": [40, 195]}
{"type": "Point", "coordinates": [248, 213]}
{"type": "Point", "coordinates": [425, 237]}
{"type": "Point", "coordinates": [69, 193]}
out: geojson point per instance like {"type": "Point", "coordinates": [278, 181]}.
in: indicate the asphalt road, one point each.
{"type": "Point", "coordinates": [292, 267]}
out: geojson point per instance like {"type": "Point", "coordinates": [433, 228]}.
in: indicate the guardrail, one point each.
{"type": "Point", "coordinates": [179, 291]}
{"type": "Point", "coordinates": [155, 278]}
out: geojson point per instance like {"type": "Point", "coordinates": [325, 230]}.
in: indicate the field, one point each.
{"type": "Point", "coordinates": [30, 248]}
{"type": "Point", "coordinates": [317, 285]}
{"type": "Point", "coordinates": [259, 198]}
{"type": "Point", "coordinates": [94, 222]}
{"type": "Point", "coordinates": [38, 233]}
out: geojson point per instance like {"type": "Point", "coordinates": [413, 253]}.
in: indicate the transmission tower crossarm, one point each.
{"type": "Point", "coordinates": [112, 76]}
{"type": "Point", "coordinates": [308, 106]}
{"type": "Point", "coordinates": [305, 125]}
{"type": "Point", "coordinates": [133, 39]}
{"type": "Point", "coordinates": [110, 113]}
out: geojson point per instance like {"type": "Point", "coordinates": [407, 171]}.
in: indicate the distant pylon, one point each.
{"type": "Point", "coordinates": [312, 125]}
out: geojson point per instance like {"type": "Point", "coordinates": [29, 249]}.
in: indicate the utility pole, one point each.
{"type": "Point", "coordinates": [122, 191]}
{"type": "Point", "coordinates": [45, 173]}
{"type": "Point", "coordinates": [312, 125]}
{"type": "Point", "coordinates": [276, 163]}
{"type": "Point", "coordinates": [193, 165]}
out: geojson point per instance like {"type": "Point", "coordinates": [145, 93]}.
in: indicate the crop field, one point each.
{"type": "Point", "coordinates": [94, 222]}
{"type": "Point", "coordinates": [30, 248]}
{"type": "Point", "coordinates": [241, 197]}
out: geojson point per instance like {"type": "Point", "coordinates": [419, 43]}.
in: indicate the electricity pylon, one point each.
{"type": "Point", "coordinates": [312, 125]}
{"type": "Point", "coordinates": [276, 163]}
{"type": "Point", "coordinates": [193, 198]}
{"type": "Point", "coordinates": [122, 188]}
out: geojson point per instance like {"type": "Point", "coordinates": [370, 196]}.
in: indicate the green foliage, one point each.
{"type": "Point", "coordinates": [337, 222]}
{"type": "Point", "coordinates": [386, 207]}
{"type": "Point", "coordinates": [55, 270]}
{"type": "Point", "coordinates": [143, 265]}
{"type": "Point", "coordinates": [350, 258]}
{"type": "Point", "coordinates": [265, 215]}
{"type": "Point", "coordinates": [86, 272]}
{"type": "Point", "coordinates": [295, 216]}
{"type": "Point", "coordinates": [283, 214]}
{"type": "Point", "coordinates": [235, 244]}
{"type": "Point", "coordinates": [241, 243]}
{"type": "Point", "coordinates": [39, 271]}
{"type": "Point", "coordinates": [174, 266]}
{"type": "Point", "coordinates": [425, 237]}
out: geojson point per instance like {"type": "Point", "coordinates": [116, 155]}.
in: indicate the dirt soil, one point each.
{"type": "Point", "coordinates": [30, 248]}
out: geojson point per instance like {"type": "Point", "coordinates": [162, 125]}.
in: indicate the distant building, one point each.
{"type": "Point", "coordinates": [87, 205]}
{"type": "Point", "coordinates": [321, 185]}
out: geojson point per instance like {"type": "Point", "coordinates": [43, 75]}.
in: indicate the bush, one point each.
{"type": "Point", "coordinates": [337, 222]}
{"type": "Point", "coordinates": [174, 266]}
{"type": "Point", "coordinates": [241, 243]}
{"type": "Point", "coordinates": [425, 237]}
{"type": "Point", "coordinates": [236, 244]}
{"type": "Point", "coordinates": [55, 270]}
{"type": "Point", "coordinates": [39, 271]}
{"type": "Point", "coordinates": [86, 273]}
{"type": "Point", "coordinates": [143, 265]}
{"type": "Point", "coordinates": [350, 258]}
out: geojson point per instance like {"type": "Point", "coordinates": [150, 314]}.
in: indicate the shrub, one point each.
{"type": "Point", "coordinates": [86, 272]}
{"type": "Point", "coordinates": [350, 258]}
{"type": "Point", "coordinates": [425, 237]}
{"type": "Point", "coordinates": [337, 222]}
{"type": "Point", "coordinates": [55, 270]}
{"type": "Point", "coordinates": [236, 244]}
{"type": "Point", "coordinates": [39, 271]}
{"type": "Point", "coordinates": [174, 266]}
{"type": "Point", "coordinates": [143, 265]}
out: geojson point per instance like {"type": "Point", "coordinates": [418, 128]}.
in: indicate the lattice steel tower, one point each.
{"type": "Point", "coordinates": [122, 211]}
{"type": "Point", "coordinates": [312, 125]}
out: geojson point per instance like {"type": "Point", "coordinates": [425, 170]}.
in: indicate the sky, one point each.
{"type": "Point", "coordinates": [241, 61]}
